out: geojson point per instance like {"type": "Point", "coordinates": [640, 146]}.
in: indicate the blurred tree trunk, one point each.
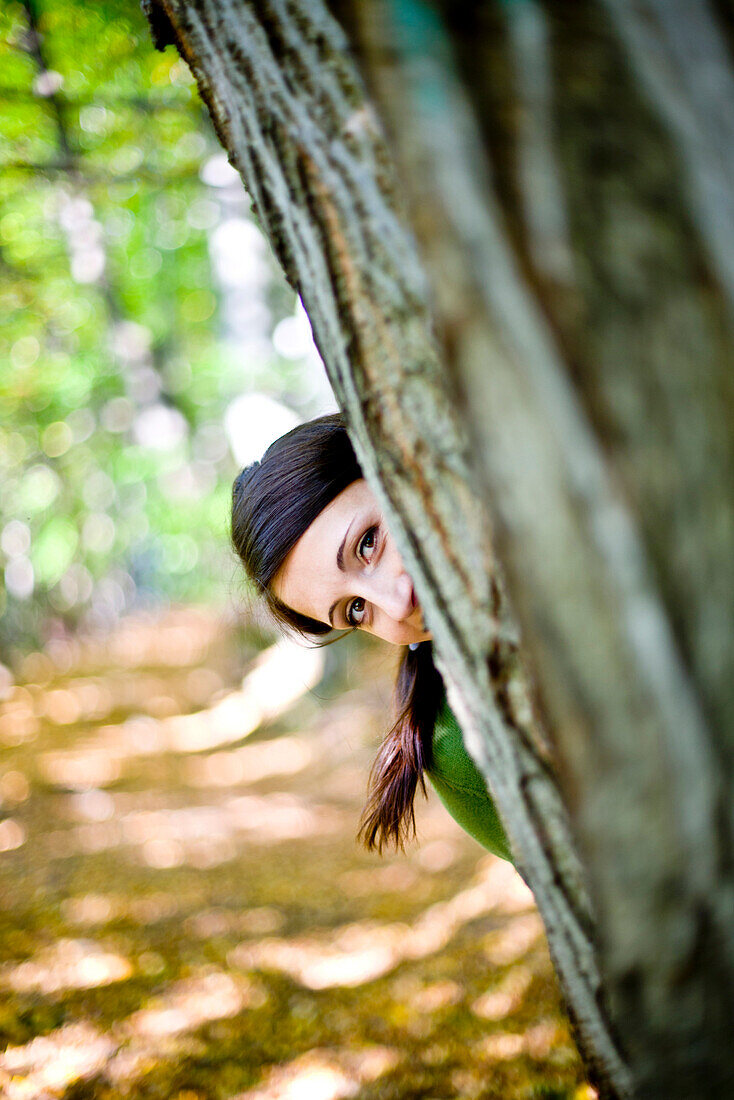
{"type": "Point", "coordinates": [560, 360]}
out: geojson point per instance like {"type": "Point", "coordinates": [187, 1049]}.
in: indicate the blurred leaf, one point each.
{"type": "Point", "coordinates": [53, 549]}
{"type": "Point", "coordinates": [112, 322]}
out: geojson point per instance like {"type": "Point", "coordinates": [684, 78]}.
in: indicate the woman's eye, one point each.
{"type": "Point", "coordinates": [355, 611]}
{"type": "Point", "coordinates": [367, 544]}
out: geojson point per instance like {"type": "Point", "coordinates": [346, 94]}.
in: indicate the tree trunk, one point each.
{"type": "Point", "coordinates": [560, 360]}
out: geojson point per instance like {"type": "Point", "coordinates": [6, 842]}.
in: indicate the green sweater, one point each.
{"type": "Point", "coordinates": [461, 787]}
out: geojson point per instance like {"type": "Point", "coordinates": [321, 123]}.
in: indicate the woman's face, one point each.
{"type": "Point", "coordinates": [345, 570]}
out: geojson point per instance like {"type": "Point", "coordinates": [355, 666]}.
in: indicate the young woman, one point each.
{"type": "Point", "coordinates": [311, 537]}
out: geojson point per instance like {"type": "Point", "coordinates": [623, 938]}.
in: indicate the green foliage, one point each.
{"type": "Point", "coordinates": [110, 310]}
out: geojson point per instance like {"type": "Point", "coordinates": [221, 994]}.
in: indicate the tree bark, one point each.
{"type": "Point", "coordinates": [588, 324]}
{"type": "Point", "coordinates": [567, 173]}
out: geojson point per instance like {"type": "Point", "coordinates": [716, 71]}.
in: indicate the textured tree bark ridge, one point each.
{"type": "Point", "coordinates": [595, 361]}
{"type": "Point", "coordinates": [584, 333]}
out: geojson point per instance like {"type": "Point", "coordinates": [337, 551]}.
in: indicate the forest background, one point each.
{"type": "Point", "coordinates": [185, 912]}
{"type": "Point", "coordinates": [139, 302]}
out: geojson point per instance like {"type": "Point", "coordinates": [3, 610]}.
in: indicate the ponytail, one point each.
{"type": "Point", "coordinates": [389, 815]}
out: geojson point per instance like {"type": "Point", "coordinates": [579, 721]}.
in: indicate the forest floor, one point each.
{"type": "Point", "coordinates": [185, 914]}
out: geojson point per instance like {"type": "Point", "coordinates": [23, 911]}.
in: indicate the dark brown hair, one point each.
{"type": "Point", "coordinates": [273, 502]}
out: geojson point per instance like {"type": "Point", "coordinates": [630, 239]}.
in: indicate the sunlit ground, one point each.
{"type": "Point", "coordinates": [185, 913]}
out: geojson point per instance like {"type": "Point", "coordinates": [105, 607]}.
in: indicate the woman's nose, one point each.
{"type": "Point", "coordinates": [394, 597]}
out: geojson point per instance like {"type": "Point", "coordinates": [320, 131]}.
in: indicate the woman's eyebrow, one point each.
{"type": "Point", "coordinates": [340, 551]}
{"type": "Point", "coordinates": [340, 563]}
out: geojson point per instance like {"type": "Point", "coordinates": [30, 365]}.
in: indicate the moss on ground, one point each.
{"type": "Point", "coordinates": [172, 938]}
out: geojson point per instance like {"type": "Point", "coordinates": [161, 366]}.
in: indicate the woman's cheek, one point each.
{"type": "Point", "coordinates": [389, 632]}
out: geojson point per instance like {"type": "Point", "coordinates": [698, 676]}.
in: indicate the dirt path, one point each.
{"type": "Point", "coordinates": [185, 914]}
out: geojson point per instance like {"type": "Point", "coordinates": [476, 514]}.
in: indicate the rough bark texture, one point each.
{"type": "Point", "coordinates": [568, 174]}
{"type": "Point", "coordinates": [570, 167]}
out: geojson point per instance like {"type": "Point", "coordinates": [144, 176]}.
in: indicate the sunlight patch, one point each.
{"type": "Point", "coordinates": [68, 964]}
{"type": "Point", "coordinates": [280, 676]}
{"type": "Point", "coordinates": [544, 1040]}
{"type": "Point", "coordinates": [507, 997]}
{"type": "Point", "coordinates": [324, 1075]}
{"type": "Point", "coordinates": [281, 756]}
{"type": "Point", "coordinates": [360, 952]}
{"type": "Point", "coordinates": [510, 944]}
{"type": "Point", "coordinates": [190, 1003]}
{"type": "Point", "coordinates": [200, 836]}
{"type": "Point", "coordinates": [53, 1061]}
{"type": "Point", "coordinates": [12, 835]}
{"type": "Point", "coordinates": [158, 1031]}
